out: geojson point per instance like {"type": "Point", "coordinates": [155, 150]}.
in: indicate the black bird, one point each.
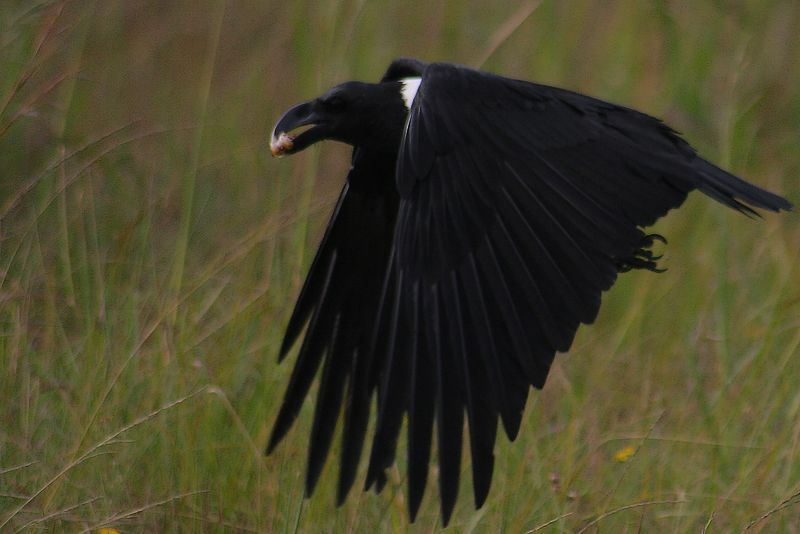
{"type": "Point", "coordinates": [481, 220]}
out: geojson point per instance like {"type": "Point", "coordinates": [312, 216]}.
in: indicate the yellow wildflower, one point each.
{"type": "Point", "coordinates": [625, 453]}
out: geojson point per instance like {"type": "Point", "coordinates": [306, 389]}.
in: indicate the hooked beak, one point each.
{"type": "Point", "coordinates": [282, 143]}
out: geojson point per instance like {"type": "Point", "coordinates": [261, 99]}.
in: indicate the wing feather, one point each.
{"type": "Point", "coordinates": [445, 345]}
{"type": "Point", "coordinates": [479, 395]}
{"type": "Point", "coordinates": [339, 303]}
{"type": "Point", "coordinates": [422, 403]}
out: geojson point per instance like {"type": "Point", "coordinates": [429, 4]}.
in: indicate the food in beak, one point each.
{"type": "Point", "coordinates": [281, 145]}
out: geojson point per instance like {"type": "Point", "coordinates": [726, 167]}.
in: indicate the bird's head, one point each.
{"type": "Point", "coordinates": [356, 113]}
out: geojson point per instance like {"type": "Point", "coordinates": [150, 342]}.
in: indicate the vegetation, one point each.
{"type": "Point", "coordinates": [150, 252]}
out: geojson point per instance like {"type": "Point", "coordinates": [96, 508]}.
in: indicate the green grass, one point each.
{"type": "Point", "coordinates": [150, 252]}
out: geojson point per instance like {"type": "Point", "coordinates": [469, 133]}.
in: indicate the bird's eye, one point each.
{"type": "Point", "coordinates": [335, 103]}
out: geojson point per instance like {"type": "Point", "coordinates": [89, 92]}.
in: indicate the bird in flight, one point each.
{"type": "Point", "coordinates": [481, 220]}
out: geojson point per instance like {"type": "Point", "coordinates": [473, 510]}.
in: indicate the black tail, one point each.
{"type": "Point", "coordinates": [735, 192]}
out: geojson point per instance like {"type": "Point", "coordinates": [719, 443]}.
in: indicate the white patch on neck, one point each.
{"type": "Point", "coordinates": [409, 90]}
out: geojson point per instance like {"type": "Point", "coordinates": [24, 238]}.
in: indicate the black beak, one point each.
{"type": "Point", "coordinates": [282, 143]}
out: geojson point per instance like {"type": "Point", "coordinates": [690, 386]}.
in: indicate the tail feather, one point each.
{"type": "Point", "coordinates": [735, 192]}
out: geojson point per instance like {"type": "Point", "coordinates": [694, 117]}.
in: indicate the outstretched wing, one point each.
{"type": "Point", "coordinates": [519, 203]}
{"type": "Point", "coordinates": [338, 303]}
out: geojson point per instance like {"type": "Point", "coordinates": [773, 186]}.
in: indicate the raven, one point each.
{"type": "Point", "coordinates": [481, 220]}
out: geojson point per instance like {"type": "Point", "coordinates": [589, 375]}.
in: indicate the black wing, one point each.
{"type": "Point", "coordinates": [519, 205]}
{"type": "Point", "coordinates": [339, 303]}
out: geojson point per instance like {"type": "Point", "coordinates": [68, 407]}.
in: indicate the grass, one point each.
{"type": "Point", "coordinates": [150, 251]}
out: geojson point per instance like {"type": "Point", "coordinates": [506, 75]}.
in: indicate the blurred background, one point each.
{"type": "Point", "coordinates": [151, 250]}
